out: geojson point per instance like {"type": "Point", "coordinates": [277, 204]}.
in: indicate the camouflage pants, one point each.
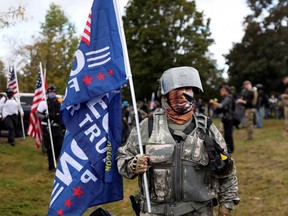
{"type": "Point", "coordinates": [286, 118]}
{"type": "Point", "coordinates": [250, 113]}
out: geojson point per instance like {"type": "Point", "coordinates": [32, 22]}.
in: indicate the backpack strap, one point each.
{"type": "Point", "coordinates": [220, 163]}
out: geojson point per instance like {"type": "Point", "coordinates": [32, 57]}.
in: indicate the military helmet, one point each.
{"type": "Point", "coordinates": [178, 77]}
{"type": "Point", "coordinates": [51, 89]}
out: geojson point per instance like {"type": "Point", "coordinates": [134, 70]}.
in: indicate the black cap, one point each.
{"type": "Point", "coordinates": [9, 90]}
{"type": "Point", "coordinates": [51, 89]}
{"type": "Point", "coordinates": [225, 87]}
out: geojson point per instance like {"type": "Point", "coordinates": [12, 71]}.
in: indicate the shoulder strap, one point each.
{"type": "Point", "coordinates": [150, 124]}
{"type": "Point", "coordinates": [233, 107]}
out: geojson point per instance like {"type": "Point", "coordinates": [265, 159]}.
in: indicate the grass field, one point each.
{"type": "Point", "coordinates": [262, 170]}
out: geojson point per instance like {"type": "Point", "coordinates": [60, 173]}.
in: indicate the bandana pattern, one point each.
{"type": "Point", "coordinates": [179, 105]}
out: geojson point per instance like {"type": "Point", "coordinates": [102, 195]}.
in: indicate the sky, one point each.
{"type": "Point", "coordinates": [226, 23]}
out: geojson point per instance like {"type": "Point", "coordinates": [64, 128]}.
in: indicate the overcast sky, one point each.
{"type": "Point", "coordinates": [226, 22]}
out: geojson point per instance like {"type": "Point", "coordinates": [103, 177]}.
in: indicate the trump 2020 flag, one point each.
{"type": "Point", "coordinates": [87, 173]}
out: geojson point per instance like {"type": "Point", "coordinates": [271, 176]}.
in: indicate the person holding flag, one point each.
{"type": "Point", "coordinates": [185, 156]}
{"type": "Point", "coordinates": [50, 109]}
{"type": "Point", "coordinates": [9, 109]}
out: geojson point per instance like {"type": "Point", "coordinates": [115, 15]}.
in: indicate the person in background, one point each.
{"type": "Point", "coordinates": [2, 95]}
{"type": "Point", "coordinates": [10, 107]}
{"type": "Point", "coordinates": [273, 112]}
{"type": "Point", "coordinates": [226, 107]}
{"type": "Point", "coordinates": [56, 124]}
{"type": "Point", "coordinates": [284, 98]}
{"type": "Point", "coordinates": [186, 159]}
{"type": "Point", "coordinates": [262, 101]}
{"type": "Point", "coordinates": [200, 106]}
{"type": "Point", "coordinates": [126, 121]}
{"type": "Point", "coordinates": [249, 101]}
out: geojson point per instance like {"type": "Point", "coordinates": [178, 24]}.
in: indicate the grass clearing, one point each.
{"type": "Point", "coordinates": [262, 170]}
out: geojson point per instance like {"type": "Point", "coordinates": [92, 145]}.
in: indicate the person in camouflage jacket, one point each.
{"type": "Point", "coordinates": [185, 156]}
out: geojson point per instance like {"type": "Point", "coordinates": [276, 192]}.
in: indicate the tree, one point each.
{"type": "Point", "coordinates": [7, 17]}
{"type": "Point", "coordinates": [55, 48]}
{"type": "Point", "coordinates": [262, 56]}
{"type": "Point", "coordinates": [163, 34]}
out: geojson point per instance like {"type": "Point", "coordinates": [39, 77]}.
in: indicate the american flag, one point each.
{"type": "Point", "coordinates": [87, 31]}
{"type": "Point", "coordinates": [12, 81]}
{"type": "Point", "coordinates": [34, 128]}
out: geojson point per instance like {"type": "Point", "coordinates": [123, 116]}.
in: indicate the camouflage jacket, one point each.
{"type": "Point", "coordinates": [179, 169]}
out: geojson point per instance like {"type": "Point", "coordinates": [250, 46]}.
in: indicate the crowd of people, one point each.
{"type": "Point", "coordinates": [10, 110]}
{"type": "Point", "coordinates": [252, 100]}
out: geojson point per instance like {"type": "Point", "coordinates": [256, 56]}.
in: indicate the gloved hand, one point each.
{"type": "Point", "coordinates": [139, 164]}
{"type": "Point", "coordinates": [224, 211]}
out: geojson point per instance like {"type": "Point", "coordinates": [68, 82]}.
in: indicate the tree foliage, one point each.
{"type": "Point", "coordinates": [55, 49]}
{"type": "Point", "coordinates": [163, 34]}
{"type": "Point", "coordinates": [8, 17]}
{"type": "Point", "coordinates": [262, 55]}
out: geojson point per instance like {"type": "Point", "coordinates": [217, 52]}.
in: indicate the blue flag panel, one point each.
{"type": "Point", "coordinates": [99, 63]}
{"type": "Point", "coordinates": [87, 173]}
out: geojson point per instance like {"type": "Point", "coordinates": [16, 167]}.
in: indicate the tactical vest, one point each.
{"type": "Point", "coordinates": [180, 171]}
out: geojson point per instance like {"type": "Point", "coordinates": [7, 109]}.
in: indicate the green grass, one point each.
{"type": "Point", "coordinates": [262, 166]}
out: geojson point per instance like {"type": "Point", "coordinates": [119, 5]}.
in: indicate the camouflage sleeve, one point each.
{"type": "Point", "coordinates": [228, 185]}
{"type": "Point", "coordinates": [127, 152]}
{"type": "Point", "coordinates": [228, 190]}
{"type": "Point", "coordinates": [217, 136]}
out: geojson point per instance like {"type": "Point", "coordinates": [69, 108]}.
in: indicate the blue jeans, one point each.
{"type": "Point", "coordinates": [259, 118]}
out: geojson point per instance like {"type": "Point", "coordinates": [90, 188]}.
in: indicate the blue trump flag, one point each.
{"type": "Point", "coordinates": [87, 173]}
{"type": "Point", "coordinates": [99, 65]}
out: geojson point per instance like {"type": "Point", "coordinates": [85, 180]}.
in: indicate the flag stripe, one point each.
{"type": "Point", "coordinates": [34, 128]}
{"type": "Point", "coordinates": [12, 82]}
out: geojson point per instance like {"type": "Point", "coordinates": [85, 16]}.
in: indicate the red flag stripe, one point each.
{"type": "Point", "coordinates": [34, 128]}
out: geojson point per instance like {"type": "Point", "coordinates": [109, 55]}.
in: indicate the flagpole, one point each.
{"type": "Point", "coordinates": [129, 76]}
{"type": "Point", "coordinates": [18, 97]}
{"type": "Point", "coordinates": [48, 119]}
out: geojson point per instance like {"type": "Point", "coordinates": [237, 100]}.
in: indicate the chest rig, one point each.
{"type": "Point", "coordinates": [179, 162]}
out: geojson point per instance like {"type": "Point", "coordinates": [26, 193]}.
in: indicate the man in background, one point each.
{"type": "Point", "coordinates": [56, 124]}
{"type": "Point", "coordinates": [284, 98]}
{"type": "Point", "coordinates": [249, 101]}
{"type": "Point", "coordinates": [226, 107]}
{"type": "Point", "coordinates": [9, 109]}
